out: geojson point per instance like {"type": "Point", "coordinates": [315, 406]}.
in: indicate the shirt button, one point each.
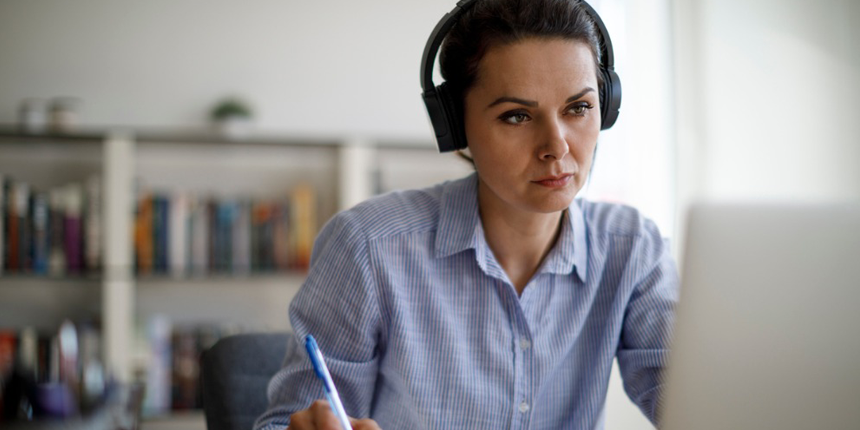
{"type": "Point", "coordinates": [524, 407]}
{"type": "Point", "coordinates": [525, 344]}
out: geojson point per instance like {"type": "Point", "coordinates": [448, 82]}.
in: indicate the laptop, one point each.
{"type": "Point", "coordinates": [767, 333]}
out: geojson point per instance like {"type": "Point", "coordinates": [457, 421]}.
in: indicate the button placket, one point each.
{"type": "Point", "coordinates": [524, 407]}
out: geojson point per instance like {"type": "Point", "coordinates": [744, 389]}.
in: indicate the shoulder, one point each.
{"type": "Point", "coordinates": [613, 219]}
{"type": "Point", "coordinates": [624, 229]}
{"type": "Point", "coordinates": [622, 236]}
{"type": "Point", "coordinates": [393, 213]}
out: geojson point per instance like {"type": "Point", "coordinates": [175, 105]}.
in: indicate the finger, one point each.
{"type": "Point", "coordinates": [323, 417]}
{"type": "Point", "coordinates": [364, 424]}
{"type": "Point", "coordinates": [301, 420]}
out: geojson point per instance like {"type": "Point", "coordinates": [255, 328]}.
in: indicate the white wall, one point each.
{"type": "Point", "coordinates": [315, 67]}
{"type": "Point", "coordinates": [767, 100]}
{"type": "Point", "coordinates": [634, 162]}
{"type": "Point", "coordinates": [326, 66]}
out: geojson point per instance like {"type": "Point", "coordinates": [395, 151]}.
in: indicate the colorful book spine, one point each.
{"type": "Point", "coordinates": [22, 206]}
{"type": "Point", "coordinates": [178, 235]}
{"type": "Point", "coordinates": [186, 369]}
{"type": "Point", "coordinates": [200, 237]}
{"type": "Point", "coordinates": [41, 237]}
{"type": "Point", "coordinates": [183, 235]}
{"type": "Point", "coordinates": [225, 218]}
{"type": "Point", "coordinates": [12, 229]}
{"type": "Point", "coordinates": [241, 231]}
{"type": "Point", "coordinates": [143, 236]}
{"type": "Point", "coordinates": [160, 231]}
{"type": "Point", "coordinates": [56, 217]}
{"type": "Point", "coordinates": [304, 227]}
{"type": "Point", "coordinates": [281, 254]}
{"type": "Point", "coordinates": [3, 214]}
{"type": "Point", "coordinates": [73, 229]}
{"type": "Point", "coordinates": [157, 397]}
{"type": "Point", "coordinates": [262, 241]}
{"type": "Point", "coordinates": [93, 226]}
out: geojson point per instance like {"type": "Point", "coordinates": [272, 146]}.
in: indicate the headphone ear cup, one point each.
{"type": "Point", "coordinates": [436, 112]}
{"type": "Point", "coordinates": [610, 98]}
{"type": "Point", "coordinates": [453, 117]}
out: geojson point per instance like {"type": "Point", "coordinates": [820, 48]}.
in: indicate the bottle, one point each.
{"type": "Point", "coordinates": [64, 114]}
{"type": "Point", "coordinates": [33, 115]}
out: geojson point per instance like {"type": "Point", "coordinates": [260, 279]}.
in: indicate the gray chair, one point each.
{"type": "Point", "coordinates": [234, 376]}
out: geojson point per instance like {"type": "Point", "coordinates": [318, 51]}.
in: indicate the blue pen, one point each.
{"type": "Point", "coordinates": [322, 372]}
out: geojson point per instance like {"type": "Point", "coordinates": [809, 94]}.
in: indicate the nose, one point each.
{"type": "Point", "coordinates": [554, 145]}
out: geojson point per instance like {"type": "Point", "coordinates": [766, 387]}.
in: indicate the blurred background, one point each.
{"type": "Point", "coordinates": [234, 121]}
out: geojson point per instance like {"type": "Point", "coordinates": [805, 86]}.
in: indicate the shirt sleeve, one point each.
{"type": "Point", "coordinates": [338, 305]}
{"type": "Point", "coordinates": [648, 322]}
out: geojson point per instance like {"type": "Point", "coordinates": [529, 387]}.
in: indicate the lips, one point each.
{"type": "Point", "coordinates": [554, 181]}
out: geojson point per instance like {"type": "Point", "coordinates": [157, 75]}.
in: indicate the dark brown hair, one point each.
{"type": "Point", "coordinates": [489, 23]}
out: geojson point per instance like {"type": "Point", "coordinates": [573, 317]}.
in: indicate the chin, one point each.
{"type": "Point", "coordinates": [556, 203]}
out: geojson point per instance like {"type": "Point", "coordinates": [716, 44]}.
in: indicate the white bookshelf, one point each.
{"type": "Point", "coordinates": [343, 171]}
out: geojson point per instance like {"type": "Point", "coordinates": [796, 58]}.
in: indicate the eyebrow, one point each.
{"type": "Point", "coordinates": [532, 103]}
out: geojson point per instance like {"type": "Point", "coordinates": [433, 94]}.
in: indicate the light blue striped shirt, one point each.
{"type": "Point", "coordinates": [422, 329]}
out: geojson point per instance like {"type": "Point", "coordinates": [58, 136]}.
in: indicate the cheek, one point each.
{"type": "Point", "coordinates": [499, 153]}
{"type": "Point", "coordinates": [586, 143]}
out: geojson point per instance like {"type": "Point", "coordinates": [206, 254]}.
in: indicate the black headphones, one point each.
{"type": "Point", "coordinates": [443, 109]}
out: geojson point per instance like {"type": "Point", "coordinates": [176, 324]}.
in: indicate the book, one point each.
{"type": "Point", "coordinates": [56, 220]}
{"type": "Point", "coordinates": [93, 224]}
{"type": "Point", "coordinates": [40, 237]}
{"type": "Point", "coordinates": [178, 234]}
{"type": "Point", "coordinates": [3, 214]}
{"type": "Point", "coordinates": [241, 232]}
{"type": "Point", "coordinates": [144, 235]}
{"type": "Point", "coordinates": [303, 232]}
{"type": "Point", "coordinates": [282, 256]}
{"type": "Point", "coordinates": [12, 229]}
{"type": "Point", "coordinates": [22, 205]}
{"type": "Point", "coordinates": [262, 236]}
{"type": "Point", "coordinates": [161, 233]}
{"type": "Point", "coordinates": [158, 372]}
{"type": "Point", "coordinates": [185, 369]}
{"type": "Point", "coordinates": [73, 229]}
{"type": "Point", "coordinates": [200, 236]}
{"type": "Point", "coordinates": [225, 217]}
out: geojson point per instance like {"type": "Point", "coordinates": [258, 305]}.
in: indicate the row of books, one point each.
{"type": "Point", "coordinates": [58, 231]}
{"type": "Point", "coordinates": [51, 375]}
{"type": "Point", "coordinates": [171, 372]}
{"type": "Point", "coordinates": [50, 232]}
{"type": "Point", "coordinates": [179, 234]}
{"type": "Point", "coordinates": [35, 364]}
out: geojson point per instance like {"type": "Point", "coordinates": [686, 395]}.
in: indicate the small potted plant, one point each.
{"type": "Point", "coordinates": [232, 116]}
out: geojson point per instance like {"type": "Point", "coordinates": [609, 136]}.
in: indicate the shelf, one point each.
{"type": "Point", "coordinates": [17, 278]}
{"type": "Point", "coordinates": [257, 302]}
{"type": "Point", "coordinates": [191, 420]}
{"type": "Point", "coordinates": [158, 281]}
{"type": "Point", "coordinates": [200, 163]}
{"type": "Point", "coordinates": [43, 303]}
{"type": "Point", "coordinates": [206, 136]}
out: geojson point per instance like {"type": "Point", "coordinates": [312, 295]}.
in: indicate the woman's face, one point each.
{"type": "Point", "coordinates": [532, 120]}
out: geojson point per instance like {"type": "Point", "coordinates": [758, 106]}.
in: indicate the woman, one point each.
{"type": "Point", "coordinates": [497, 300]}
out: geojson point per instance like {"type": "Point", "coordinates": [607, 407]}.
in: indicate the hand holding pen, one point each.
{"type": "Point", "coordinates": [321, 414]}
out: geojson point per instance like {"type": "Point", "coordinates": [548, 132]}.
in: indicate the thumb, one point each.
{"type": "Point", "coordinates": [363, 424]}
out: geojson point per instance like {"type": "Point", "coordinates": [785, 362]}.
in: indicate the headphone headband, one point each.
{"type": "Point", "coordinates": [445, 115]}
{"type": "Point", "coordinates": [436, 37]}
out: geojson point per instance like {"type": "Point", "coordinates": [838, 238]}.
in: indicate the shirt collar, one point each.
{"type": "Point", "coordinates": [570, 252]}
{"type": "Point", "coordinates": [458, 218]}
{"type": "Point", "coordinates": [459, 229]}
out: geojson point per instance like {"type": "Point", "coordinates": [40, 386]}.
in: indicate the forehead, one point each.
{"type": "Point", "coordinates": [537, 62]}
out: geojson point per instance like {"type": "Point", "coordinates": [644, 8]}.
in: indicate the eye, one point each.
{"type": "Point", "coordinates": [579, 109]}
{"type": "Point", "coordinates": [514, 117]}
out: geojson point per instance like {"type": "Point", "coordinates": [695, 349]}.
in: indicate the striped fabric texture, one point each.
{"type": "Point", "coordinates": [422, 329]}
